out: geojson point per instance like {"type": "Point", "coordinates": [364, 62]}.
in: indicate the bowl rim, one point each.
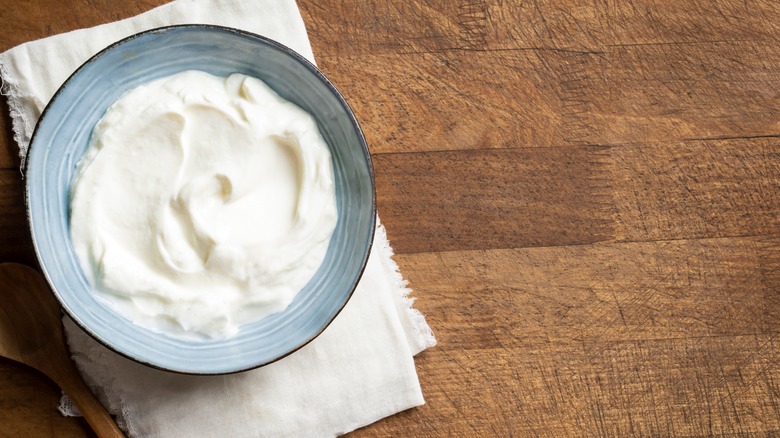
{"type": "Point", "coordinates": [241, 33]}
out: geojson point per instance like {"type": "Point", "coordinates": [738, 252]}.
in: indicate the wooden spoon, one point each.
{"type": "Point", "coordinates": [31, 333]}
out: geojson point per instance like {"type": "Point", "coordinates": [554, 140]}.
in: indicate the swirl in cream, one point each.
{"type": "Point", "coordinates": [202, 203]}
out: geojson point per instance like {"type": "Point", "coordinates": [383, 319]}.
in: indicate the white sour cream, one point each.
{"type": "Point", "coordinates": [202, 203]}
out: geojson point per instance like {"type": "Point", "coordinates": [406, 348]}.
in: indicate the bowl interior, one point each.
{"type": "Point", "coordinates": [62, 137]}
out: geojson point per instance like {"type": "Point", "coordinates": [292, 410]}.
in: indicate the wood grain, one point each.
{"type": "Point", "coordinates": [577, 75]}
{"type": "Point", "coordinates": [621, 94]}
{"type": "Point", "coordinates": [674, 338]}
{"type": "Point", "coordinates": [601, 293]}
{"type": "Point", "coordinates": [574, 25]}
{"type": "Point", "coordinates": [493, 198]}
{"type": "Point", "coordinates": [713, 188]}
{"type": "Point", "coordinates": [15, 240]}
{"type": "Point", "coordinates": [585, 196]}
{"type": "Point", "coordinates": [524, 197]}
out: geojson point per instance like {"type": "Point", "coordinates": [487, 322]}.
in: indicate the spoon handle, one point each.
{"type": "Point", "coordinates": [94, 412]}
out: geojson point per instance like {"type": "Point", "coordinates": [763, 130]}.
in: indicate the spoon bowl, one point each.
{"type": "Point", "coordinates": [31, 334]}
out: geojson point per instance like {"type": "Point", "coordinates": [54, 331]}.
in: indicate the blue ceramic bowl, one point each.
{"type": "Point", "coordinates": [61, 138]}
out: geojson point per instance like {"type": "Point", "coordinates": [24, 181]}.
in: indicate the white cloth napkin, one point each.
{"type": "Point", "coordinates": [358, 371]}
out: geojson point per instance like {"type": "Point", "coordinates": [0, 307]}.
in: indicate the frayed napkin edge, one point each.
{"type": "Point", "coordinates": [19, 123]}
{"type": "Point", "coordinates": [423, 336]}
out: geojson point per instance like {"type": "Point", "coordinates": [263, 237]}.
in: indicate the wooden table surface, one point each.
{"type": "Point", "coordinates": [584, 194]}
